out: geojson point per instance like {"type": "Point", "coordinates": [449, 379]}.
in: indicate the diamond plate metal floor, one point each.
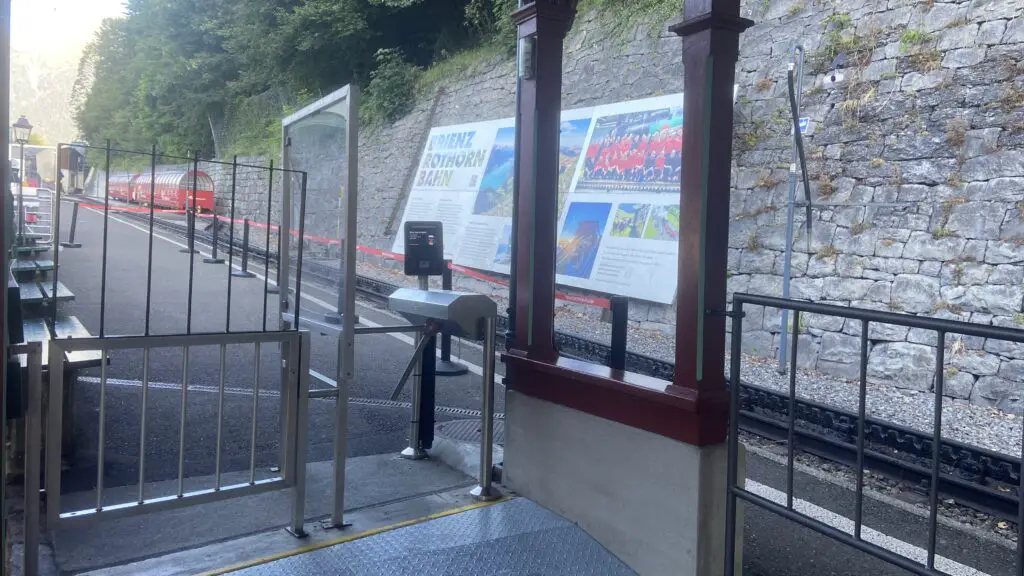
{"type": "Point", "coordinates": [513, 537]}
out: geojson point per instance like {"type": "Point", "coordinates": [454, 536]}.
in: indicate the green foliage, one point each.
{"type": "Point", "coordinates": [392, 89]}
{"type": "Point", "coordinates": [912, 38]}
{"type": "Point", "coordinates": [215, 75]}
{"type": "Point", "coordinates": [37, 139]}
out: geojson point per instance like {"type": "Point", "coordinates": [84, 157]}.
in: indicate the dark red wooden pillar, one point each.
{"type": "Point", "coordinates": [710, 32]}
{"type": "Point", "coordinates": [542, 28]}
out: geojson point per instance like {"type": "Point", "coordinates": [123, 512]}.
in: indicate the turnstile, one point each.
{"type": "Point", "coordinates": [459, 314]}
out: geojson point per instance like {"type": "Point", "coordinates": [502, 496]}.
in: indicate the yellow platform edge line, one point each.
{"type": "Point", "coordinates": [350, 538]}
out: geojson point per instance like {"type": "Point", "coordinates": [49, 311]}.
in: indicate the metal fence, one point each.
{"type": "Point", "coordinates": [295, 395]}
{"type": "Point", "coordinates": [854, 535]}
{"type": "Point", "coordinates": [34, 208]}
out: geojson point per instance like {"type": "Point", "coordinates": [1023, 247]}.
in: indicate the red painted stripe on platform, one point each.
{"type": "Point", "coordinates": [596, 301]}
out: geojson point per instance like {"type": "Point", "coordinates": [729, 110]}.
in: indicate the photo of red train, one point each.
{"type": "Point", "coordinates": [172, 189]}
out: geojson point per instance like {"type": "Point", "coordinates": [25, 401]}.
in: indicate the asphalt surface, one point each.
{"type": "Point", "coordinates": [121, 310]}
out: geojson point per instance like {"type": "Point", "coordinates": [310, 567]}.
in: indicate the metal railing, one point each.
{"type": "Point", "coordinates": [33, 351]}
{"type": "Point", "coordinates": [295, 394]}
{"type": "Point", "coordinates": [851, 537]}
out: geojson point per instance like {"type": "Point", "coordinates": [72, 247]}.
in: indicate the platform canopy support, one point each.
{"type": "Point", "coordinates": [576, 431]}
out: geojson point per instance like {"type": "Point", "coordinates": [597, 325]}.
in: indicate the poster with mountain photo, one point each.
{"type": "Point", "coordinates": [619, 168]}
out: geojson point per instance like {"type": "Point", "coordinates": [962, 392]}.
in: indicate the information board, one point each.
{"type": "Point", "coordinates": [618, 196]}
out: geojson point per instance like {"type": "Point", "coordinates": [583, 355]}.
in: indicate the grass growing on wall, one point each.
{"type": "Point", "coordinates": [620, 18]}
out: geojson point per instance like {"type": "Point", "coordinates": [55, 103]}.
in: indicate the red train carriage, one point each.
{"type": "Point", "coordinates": [122, 187]}
{"type": "Point", "coordinates": [174, 190]}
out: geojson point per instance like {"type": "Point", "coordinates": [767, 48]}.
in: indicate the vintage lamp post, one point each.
{"type": "Point", "coordinates": [20, 133]}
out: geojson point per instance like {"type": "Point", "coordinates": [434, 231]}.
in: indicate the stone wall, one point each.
{"type": "Point", "coordinates": [917, 161]}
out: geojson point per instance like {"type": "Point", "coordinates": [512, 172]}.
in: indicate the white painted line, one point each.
{"type": "Point", "coordinates": [871, 535]}
{"type": "Point", "coordinates": [173, 386]}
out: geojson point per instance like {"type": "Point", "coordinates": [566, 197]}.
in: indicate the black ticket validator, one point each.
{"type": "Point", "coordinates": [424, 249]}
{"type": "Point", "coordinates": [424, 257]}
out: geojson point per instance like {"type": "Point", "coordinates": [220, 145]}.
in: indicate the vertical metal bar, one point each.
{"type": "Point", "coordinates": [142, 426]}
{"type": "Point", "coordinates": [220, 414]}
{"type": "Point", "coordinates": [861, 415]}
{"type": "Point", "coordinates": [54, 434]}
{"type": "Point", "coordinates": [74, 227]}
{"type": "Point", "coordinates": [21, 197]}
{"type": "Point", "coordinates": [184, 414]}
{"type": "Point", "coordinates": [255, 412]}
{"type": "Point", "coordinates": [732, 463]}
{"type": "Point", "coordinates": [234, 178]}
{"type": "Point", "coordinates": [55, 230]}
{"type": "Point", "coordinates": [33, 446]}
{"type": "Point", "coordinates": [933, 494]}
{"type": "Point", "coordinates": [791, 441]}
{"type": "Point", "coordinates": [299, 424]}
{"type": "Point", "coordinates": [788, 256]}
{"type": "Point", "coordinates": [302, 243]}
{"type": "Point", "coordinates": [415, 451]}
{"type": "Point", "coordinates": [287, 406]}
{"type": "Point", "coordinates": [346, 340]}
{"type": "Point", "coordinates": [620, 318]}
{"type": "Point", "coordinates": [245, 246]}
{"type": "Point", "coordinates": [485, 491]}
{"type": "Point", "coordinates": [446, 339]}
{"type": "Point", "coordinates": [340, 438]}
{"type": "Point", "coordinates": [266, 245]}
{"type": "Point", "coordinates": [106, 221]}
{"type": "Point", "coordinates": [284, 232]}
{"type": "Point", "coordinates": [149, 260]}
{"type": "Point", "coordinates": [192, 242]}
{"type": "Point", "coordinates": [101, 448]}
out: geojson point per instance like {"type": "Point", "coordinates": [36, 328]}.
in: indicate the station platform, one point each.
{"type": "Point", "coordinates": [407, 517]}
{"type": "Point", "coordinates": [512, 536]}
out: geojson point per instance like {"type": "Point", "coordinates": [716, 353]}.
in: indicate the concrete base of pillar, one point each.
{"type": "Point", "coordinates": [656, 503]}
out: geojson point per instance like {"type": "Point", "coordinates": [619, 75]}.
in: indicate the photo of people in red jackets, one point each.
{"type": "Point", "coordinates": [640, 151]}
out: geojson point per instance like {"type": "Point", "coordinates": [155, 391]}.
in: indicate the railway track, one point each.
{"type": "Point", "coordinates": [981, 479]}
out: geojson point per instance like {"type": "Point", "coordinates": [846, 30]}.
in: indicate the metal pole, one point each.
{"type": "Point", "coordinates": [55, 232]}
{"type": "Point", "coordinates": [732, 464]}
{"type": "Point", "coordinates": [415, 450]}
{"type": "Point", "coordinates": [244, 272]}
{"type": "Point", "coordinates": [445, 366]}
{"type": "Point", "coordinates": [142, 426]}
{"type": "Point", "coordinates": [192, 242]}
{"type": "Point", "coordinates": [33, 448]}
{"type": "Point", "coordinates": [106, 222]}
{"type": "Point", "coordinates": [266, 243]}
{"type": "Point", "coordinates": [214, 258]}
{"type": "Point", "coordinates": [152, 214]}
{"type": "Point", "coordinates": [346, 340]}
{"type": "Point", "coordinates": [788, 259]}
{"type": "Point", "coordinates": [301, 249]}
{"type": "Point", "coordinates": [620, 318]}
{"type": "Point", "coordinates": [74, 226]}
{"type": "Point", "coordinates": [301, 423]}
{"type": "Point", "coordinates": [417, 354]}
{"type": "Point", "coordinates": [485, 491]}
{"type": "Point", "coordinates": [21, 196]}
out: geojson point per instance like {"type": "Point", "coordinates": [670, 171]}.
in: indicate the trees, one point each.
{"type": "Point", "coordinates": [189, 74]}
